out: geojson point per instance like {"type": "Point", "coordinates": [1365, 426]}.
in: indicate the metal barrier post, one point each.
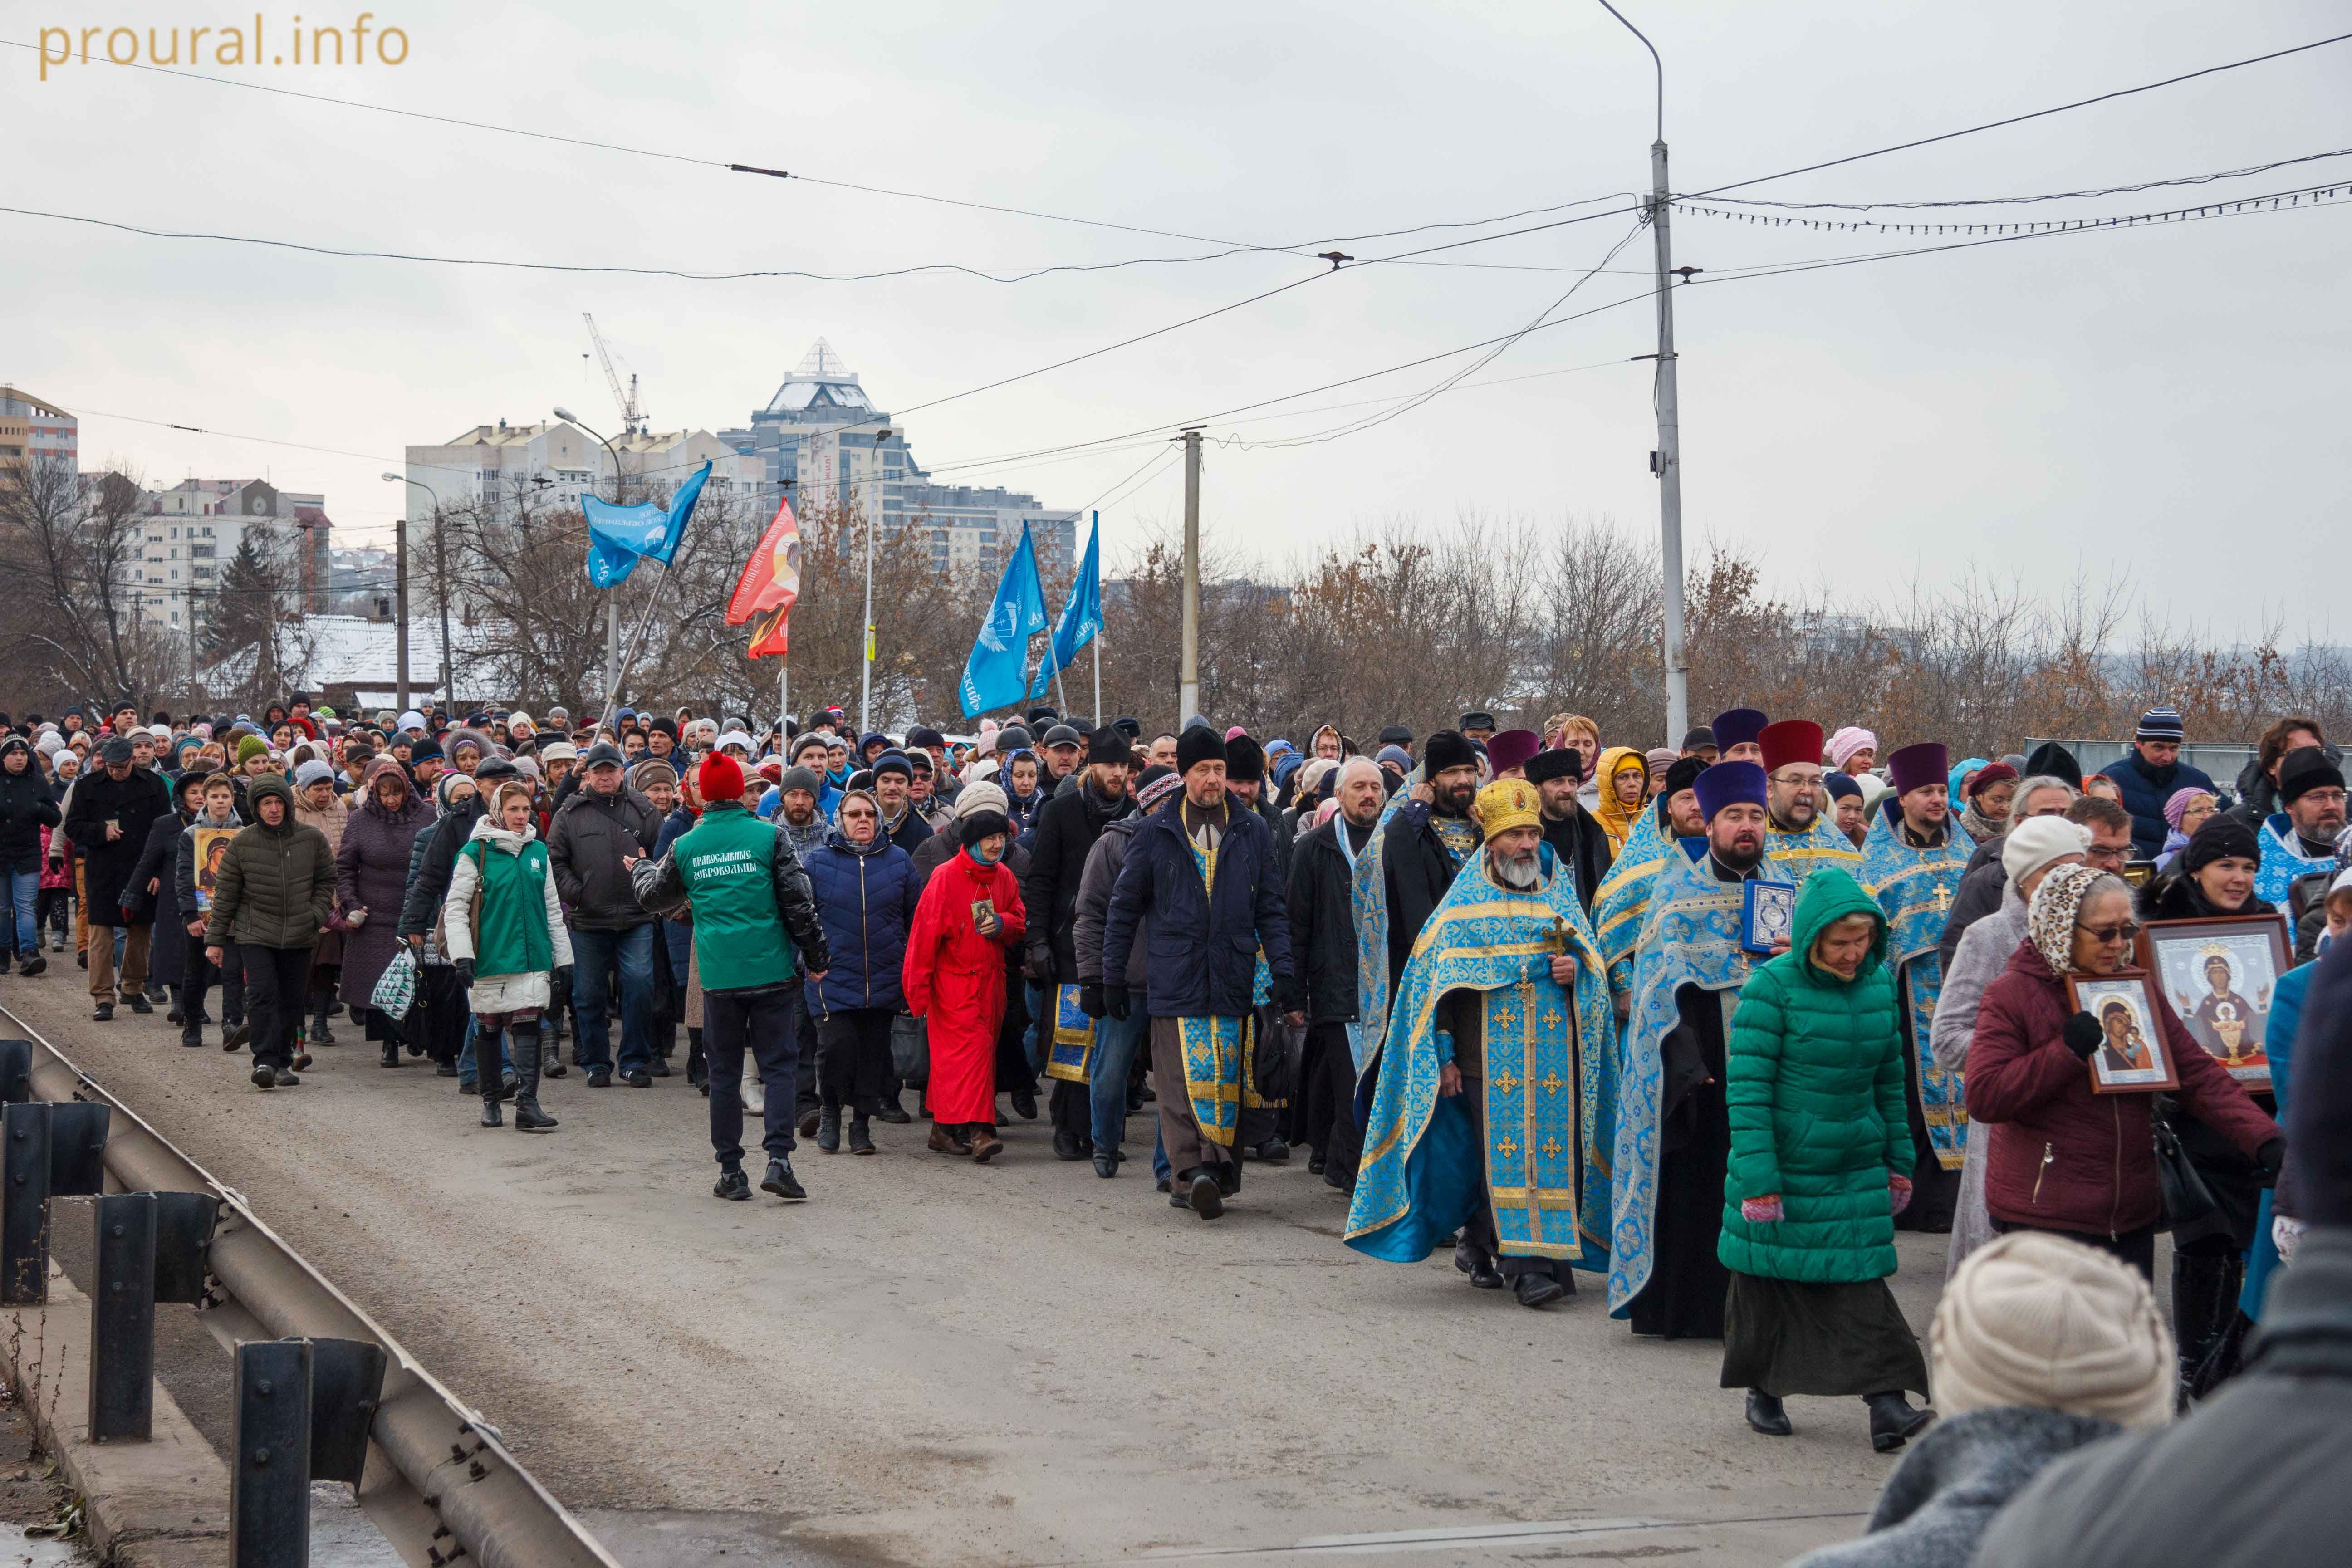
{"type": "Point", "coordinates": [25, 1204]}
{"type": "Point", "coordinates": [270, 1476]}
{"type": "Point", "coordinates": [122, 1319]}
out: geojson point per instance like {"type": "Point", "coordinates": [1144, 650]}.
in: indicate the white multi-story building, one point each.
{"type": "Point", "coordinates": [192, 530]}
{"type": "Point", "coordinates": [505, 468]}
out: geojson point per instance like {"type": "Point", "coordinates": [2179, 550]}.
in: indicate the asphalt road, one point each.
{"type": "Point", "coordinates": [931, 1362]}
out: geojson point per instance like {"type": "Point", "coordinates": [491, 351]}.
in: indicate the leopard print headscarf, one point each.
{"type": "Point", "coordinates": [2050, 921]}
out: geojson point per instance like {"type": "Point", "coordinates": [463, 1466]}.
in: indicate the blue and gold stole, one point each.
{"type": "Point", "coordinates": [1623, 900]}
{"type": "Point", "coordinates": [1071, 1056]}
{"type": "Point", "coordinates": [1915, 887]}
{"type": "Point", "coordinates": [1219, 1053]}
{"type": "Point", "coordinates": [1550, 1085]}
{"type": "Point", "coordinates": [1802, 854]}
{"type": "Point", "coordinates": [1690, 937]}
{"type": "Point", "coordinates": [1370, 897]}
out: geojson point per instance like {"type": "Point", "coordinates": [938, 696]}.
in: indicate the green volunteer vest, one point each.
{"type": "Point", "coordinates": [511, 936]}
{"type": "Point", "coordinates": [728, 863]}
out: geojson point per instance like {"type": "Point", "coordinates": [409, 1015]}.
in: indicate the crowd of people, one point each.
{"type": "Point", "coordinates": [1708, 1023]}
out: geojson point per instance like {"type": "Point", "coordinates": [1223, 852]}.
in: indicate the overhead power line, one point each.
{"type": "Point", "coordinates": [2046, 196]}
{"type": "Point", "coordinates": [2022, 119]}
{"type": "Point", "coordinates": [2227, 206]}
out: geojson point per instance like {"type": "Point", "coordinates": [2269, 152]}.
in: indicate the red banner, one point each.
{"type": "Point", "coordinates": [769, 586]}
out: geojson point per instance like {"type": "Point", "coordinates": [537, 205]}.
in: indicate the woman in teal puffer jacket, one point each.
{"type": "Point", "coordinates": [1820, 1134]}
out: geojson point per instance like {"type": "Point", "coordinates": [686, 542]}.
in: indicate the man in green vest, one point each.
{"type": "Point", "coordinates": [755, 937]}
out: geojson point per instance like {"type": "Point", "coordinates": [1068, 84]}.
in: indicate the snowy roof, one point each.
{"type": "Point", "coordinates": [821, 380]}
{"type": "Point", "coordinates": [348, 650]}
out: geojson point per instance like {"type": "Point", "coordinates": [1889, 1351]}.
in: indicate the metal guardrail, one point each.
{"type": "Point", "coordinates": [451, 1482]}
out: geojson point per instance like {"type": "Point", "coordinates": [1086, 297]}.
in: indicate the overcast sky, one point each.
{"type": "Point", "coordinates": [2168, 401]}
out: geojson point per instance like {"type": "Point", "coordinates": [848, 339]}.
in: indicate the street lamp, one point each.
{"type": "Point", "coordinates": [866, 686]}
{"type": "Point", "coordinates": [441, 579]}
{"type": "Point", "coordinates": [612, 600]}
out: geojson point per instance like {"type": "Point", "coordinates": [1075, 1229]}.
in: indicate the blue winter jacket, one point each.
{"type": "Point", "coordinates": [866, 900]}
{"type": "Point", "coordinates": [2144, 793]}
{"type": "Point", "coordinates": [1202, 947]}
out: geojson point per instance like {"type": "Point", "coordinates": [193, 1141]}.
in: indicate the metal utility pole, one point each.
{"type": "Point", "coordinates": [866, 680]}
{"type": "Point", "coordinates": [400, 579]}
{"type": "Point", "coordinates": [400, 603]}
{"type": "Point", "coordinates": [1188, 677]}
{"type": "Point", "coordinates": [1666, 462]}
{"type": "Point", "coordinates": [612, 596]}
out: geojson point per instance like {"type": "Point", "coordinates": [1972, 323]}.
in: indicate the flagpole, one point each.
{"type": "Point", "coordinates": [637, 643]}
{"type": "Point", "coordinates": [1098, 637]}
{"type": "Point", "coordinates": [784, 697]}
{"type": "Point", "coordinates": [1097, 640]}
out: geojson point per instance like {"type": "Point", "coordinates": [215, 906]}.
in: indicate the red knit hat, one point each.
{"type": "Point", "coordinates": [719, 777]}
{"type": "Point", "coordinates": [1790, 741]}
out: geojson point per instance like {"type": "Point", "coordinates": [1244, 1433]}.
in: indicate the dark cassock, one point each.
{"type": "Point", "coordinates": [1404, 873]}
{"type": "Point", "coordinates": [1519, 1159]}
{"type": "Point", "coordinates": [1914, 870]}
{"type": "Point", "coordinates": [1674, 1130]}
{"type": "Point", "coordinates": [1577, 842]}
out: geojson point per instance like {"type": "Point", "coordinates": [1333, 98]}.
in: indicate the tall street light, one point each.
{"type": "Point", "coordinates": [612, 597]}
{"type": "Point", "coordinates": [440, 574]}
{"type": "Point", "coordinates": [866, 683]}
{"type": "Point", "coordinates": [1668, 461]}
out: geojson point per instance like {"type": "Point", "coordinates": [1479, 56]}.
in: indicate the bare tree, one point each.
{"type": "Point", "coordinates": [71, 553]}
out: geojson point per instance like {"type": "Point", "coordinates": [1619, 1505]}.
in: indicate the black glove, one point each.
{"type": "Point", "coordinates": [1114, 1000]}
{"type": "Point", "coordinates": [2272, 1157]}
{"type": "Point", "coordinates": [2083, 1036]}
{"type": "Point", "coordinates": [558, 984]}
{"type": "Point", "coordinates": [464, 968]}
{"type": "Point", "coordinates": [1090, 1001]}
{"type": "Point", "coordinates": [1039, 969]}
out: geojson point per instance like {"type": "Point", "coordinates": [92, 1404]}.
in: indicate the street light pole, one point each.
{"type": "Point", "coordinates": [400, 581]}
{"type": "Point", "coordinates": [612, 597]}
{"type": "Point", "coordinates": [1668, 461]}
{"type": "Point", "coordinates": [1188, 673]}
{"type": "Point", "coordinates": [866, 686]}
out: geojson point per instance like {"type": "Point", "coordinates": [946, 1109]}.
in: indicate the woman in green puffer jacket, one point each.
{"type": "Point", "coordinates": [1820, 1136]}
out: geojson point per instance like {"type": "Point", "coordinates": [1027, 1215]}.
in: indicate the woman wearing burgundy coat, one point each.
{"type": "Point", "coordinates": [370, 878]}
{"type": "Point", "coordinates": [2060, 1157]}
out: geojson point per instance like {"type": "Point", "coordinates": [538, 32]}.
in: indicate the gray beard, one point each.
{"type": "Point", "coordinates": [1521, 872]}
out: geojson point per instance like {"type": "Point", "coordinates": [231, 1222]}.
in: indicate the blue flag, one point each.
{"type": "Point", "coordinates": [619, 536]}
{"type": "Point", "coordinates": [997, 673]}
{"type": "Point", "coordinates": [1081, 614]}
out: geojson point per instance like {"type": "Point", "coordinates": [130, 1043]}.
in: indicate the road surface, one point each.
{"type": "Point", "coordinates": [932, 1362]}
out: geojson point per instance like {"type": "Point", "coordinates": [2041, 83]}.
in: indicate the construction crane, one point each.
{"type": "Point", "coordinates": [632, 416]}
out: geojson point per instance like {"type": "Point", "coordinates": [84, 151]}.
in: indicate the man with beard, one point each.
{"type": "Point", "coordinates": [1622, 903]}
{"type": "Point", "coordinates": [2300, 837]}
{"type": "Point", "coordinates": [1200, 870]}
{"type": "Point", "coordinates": [1673, 1127]}
{"type": "Point", "coordinates": [1068, 826]}
{"type": "Point", "coordinates": [1321, 998]}
{"type": "Point", "coordinates": [114, 808]}
{"type": "Point", "coordinates": [1800, 834]}
{"type": "Point", "coordinates": [1424, 842]}
{"type": "Point", "coordinates": [1911, 863]}
{"type": "Point", "coordinates": [1061, 748]}
{"type": "Point", "coordinates": [1578, 844]}
{"type": "Point", "coordinates": [923, 796]}
{"type": "Point", "coordinates": [1258, 1137]}
{"type": "Point", "coordinates": [1493, 1107]}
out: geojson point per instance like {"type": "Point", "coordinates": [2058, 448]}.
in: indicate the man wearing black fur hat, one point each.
{"type": "Point", "coordinates": [1200, 870]}
{"type": "Point", "coordinates": [1427, 839]}
{"type": "Point", "coordinates": [1066, 828]}
{"type": "Point", "coordinates": [1579, 841]}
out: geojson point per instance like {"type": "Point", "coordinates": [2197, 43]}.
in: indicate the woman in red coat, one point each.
{"type": "Point", "coordinates": [954, 975]}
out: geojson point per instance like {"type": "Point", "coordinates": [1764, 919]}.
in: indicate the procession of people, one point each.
{"type": "Point", "coordinates": [1707, 1025]}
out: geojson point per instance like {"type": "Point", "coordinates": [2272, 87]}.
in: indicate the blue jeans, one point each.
{"type": "Point", "coordinates": [1040, 1039]}
{"type": "Point", "coordinates": [1116, 1042]}
{"type": "Point", "coordinates": [25, 891]}
{"type": "Point", "coordinates": [595, 954]}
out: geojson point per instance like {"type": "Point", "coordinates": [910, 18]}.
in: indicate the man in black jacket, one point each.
{"type": "Point", "coordinates": [1208, 932]}
{"type": "Point", "coordinates": [28, 804]}
{"type": "Point", "coordinates": [1426, 842]}
{"type": "Point", "coordinates": [113, 808]}
{"type": "Point", "coordinates": [595, 833]}
{"type": "Point", "coordinates": [1322, 995]}
{"type": "Point", "coordinates": [1577, 839]}
{"type": "Point", "coordinates": [1066, 828]}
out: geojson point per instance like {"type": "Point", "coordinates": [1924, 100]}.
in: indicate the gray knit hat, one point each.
{"type": "Point", "coordinates": [800, 778]}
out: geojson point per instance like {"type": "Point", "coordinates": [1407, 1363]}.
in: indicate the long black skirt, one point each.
{"type": "Point", "coordinates": [1787, 1338]}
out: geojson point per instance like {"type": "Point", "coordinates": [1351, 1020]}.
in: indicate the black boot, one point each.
{"type": "Point", "coordinates": [861, 1137]}
{"type": "Point", "coordinates": [528, 1116]}
{"type": "Point", "coordinates": [486, 1050]}
{"type": "Point", "coordinates": [828, 1128]}
{"type": "Point", "coordinates": [391, 1053]}
{"type": "Point", "coordinates": [1892, 1420]}
{"type": "Point", "coordinates": [698, 1065]}
{"type": "Point", "coordinates": [2198, 1315]}
{"type": "Point", "coordinates": [176, 1015]}
{"type": "Point", "coordinates": [320, 1034]}
{"type": "Point", "coordinates": [1765, 1414]}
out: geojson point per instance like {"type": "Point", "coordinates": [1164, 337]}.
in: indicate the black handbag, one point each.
{"type": "Point", "coordinates": [2186, 1197]}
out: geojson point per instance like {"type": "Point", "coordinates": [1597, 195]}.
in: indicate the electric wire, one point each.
{"type": "Point", "coordinates": [2248, 169]}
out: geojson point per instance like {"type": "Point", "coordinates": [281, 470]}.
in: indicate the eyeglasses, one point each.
{"type": "Point", "coordinates": [1794, 776]}
{"type": "Point", "coordinates": [857, 817]}
{"type": "Point", "coordinates": [2123, 932]}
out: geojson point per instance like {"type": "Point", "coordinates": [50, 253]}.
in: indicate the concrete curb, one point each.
{"type": "Point", "coordinates": [158, 1504]}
